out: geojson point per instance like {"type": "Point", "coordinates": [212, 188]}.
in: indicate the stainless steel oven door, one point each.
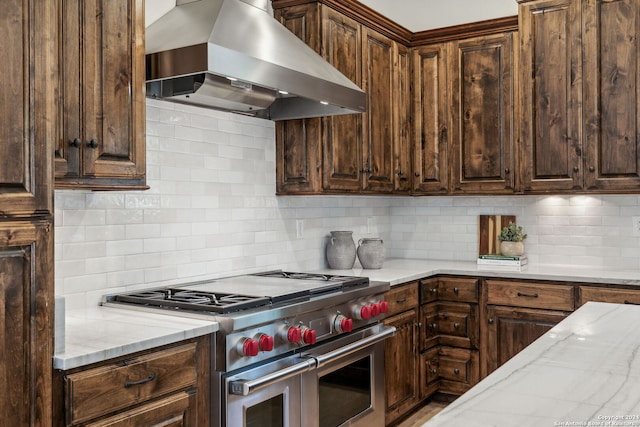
{"type": "Point", "coordinates": [268, 395]}
{"type": "Point", "coordinates": [303, 390]}
{"type": "Point", "coordinates": [347, 386]}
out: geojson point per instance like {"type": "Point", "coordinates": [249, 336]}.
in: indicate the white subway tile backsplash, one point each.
{"type": "Point", "coordinates": [211, 211]}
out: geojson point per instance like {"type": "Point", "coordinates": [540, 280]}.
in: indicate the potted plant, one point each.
{"type": "Point", "coordinates": [511, 240]}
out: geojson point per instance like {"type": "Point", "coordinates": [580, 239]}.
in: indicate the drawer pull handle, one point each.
{"type": "Point", "coordinates": [520, 294]}
{"type": "Point", "coordinates": [400, 301]}
{"type": "Point", "coordinates": [456, 325]}
{"type": "Point", "coordinates": [150, 378]}
{"type": "Point", "coordinates": [456, 371]}
{"type": "Point", "coordinates": [456, 290]}
{"type": "Point", "coordinates": [631, 302]}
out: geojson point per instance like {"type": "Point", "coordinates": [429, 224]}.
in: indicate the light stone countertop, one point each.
{"type": "Point", "coordinates": [397, 271]}
{"type": "Point", "coordinates": [102, 333]}
{"type": "Point", "coordinates": [584, 371]}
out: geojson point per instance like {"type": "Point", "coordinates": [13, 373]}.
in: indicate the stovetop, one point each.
{"type": "Point", "coordinates": [234, 294]}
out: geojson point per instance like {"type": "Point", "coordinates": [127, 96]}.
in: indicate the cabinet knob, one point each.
{"type": "Point", "coordinates": [592, 169]}
{"type": "Point", "coordinates": [491, 320]}
{"type": "Point", "coordinates": [93, 143]}
{"type": "Point", "coordinates": [575, 169]}
{"type": "Point", "coordinates": [400, 173]}
{"type": "Point", "coordinates": [75, 142]}
{"type": "Point", "coordinates": [417, 174]}
{"type": "Point", "coordinates": [434, 371]}
{"type": "Point", "coordinates": [456, 325]}
{"type": "Point", "coordinates": [456, 290]}
{"type": "Point", "coordinates": [507, 171]}
{"type": "Point", "coordinates": [433, 325]}
{"type": "Point", "coordinates": [456, 371]}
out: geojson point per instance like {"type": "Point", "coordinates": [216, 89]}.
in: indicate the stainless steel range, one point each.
{"type": "Point", "coordinates": [293, 349]}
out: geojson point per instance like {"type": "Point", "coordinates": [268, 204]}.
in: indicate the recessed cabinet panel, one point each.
{"type": "Point", "coordinates": [342, 135]}
{"type": "Point", "coordinates": [378, 57]}
{"type": "Point", "coordinates": [612, 101]}
{"type": "Point", "coordinates": [298, 144]}
{"type": "Point", "coordinates": [550, 70]}
{"type": "Point", "coordinates": [26, 319]}
{"type": "Point", "coordinates": [102, 141]}
{"type": "Point", "coordinates": [482, 114]}
{"type": "Point", "coordinates": [27, 106]}
{"type": "Point", "coordinates": [431, 132]}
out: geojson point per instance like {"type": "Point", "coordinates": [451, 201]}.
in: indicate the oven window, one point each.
{"type": "Point", "coordinates": [345, 393]}
{"type": "Point", "coordinates": [267, 413]}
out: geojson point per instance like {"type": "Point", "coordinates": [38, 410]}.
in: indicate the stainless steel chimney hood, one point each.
{"type": "Point", "coordinates": [233, 55]}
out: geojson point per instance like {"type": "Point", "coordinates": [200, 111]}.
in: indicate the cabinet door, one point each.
{"type": "Point", "coordinates": [26, 318]}
{"type": "Point", "coordinates": [482, 140]}
{"type": "Point", "coordinates": [298, 142]}
{"type": "Point", "coordinates": [430, 121]}
{"type": "Point", "coordinates": [342, 135]}
{"type": "Point", "coordinates": [103, 115]}
{"type": "Point", "coordinates": [550, 95]}
{"type": "Point", "coordinates": [27, 106]}
{"type": "Point", "coordinates": [402, 387]}
{"type": "Point", "coordinates": [378, 54]}
{"type": "Point", "coordinates": [402, 119]}
{"type": "Point", "coordinates": [510, 330]}
{"type": "Point", "coordinates": [611, 98]}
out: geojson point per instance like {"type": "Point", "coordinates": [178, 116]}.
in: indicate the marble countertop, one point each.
{"type": "Point", "coordinates": [584, 371]}
{"type": "Point", "coordinates": [102, 333]}
{"type": "Point", "coordinates": [397, 271]}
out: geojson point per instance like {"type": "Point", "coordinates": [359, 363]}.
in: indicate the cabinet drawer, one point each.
{"type": "Point", "coordinates": [618, 296]}
{"type": "Point", "coordinates": [532, 295]}
{"type": "Point", "coordinates": [462, 289]}
{"type": "Point", "coordinates": [402, 298]}
{"type": "Point", "coordinates": [176, 410]}
{"type": "Point", "coordinates": [457, 289]}
{"type": "Point", "coordinates": [110, 388]}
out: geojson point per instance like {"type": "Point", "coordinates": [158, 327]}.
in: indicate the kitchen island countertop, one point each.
{"type": "Point", "coordinates": [398, 271]}
{"type": "Point", "coordinates": [583, 372]}
{"type": "Point", "coordinates": [97, 334]}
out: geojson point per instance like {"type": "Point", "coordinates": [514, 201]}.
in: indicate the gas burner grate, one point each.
{"type": "Point", "coordinates": [187, 299]}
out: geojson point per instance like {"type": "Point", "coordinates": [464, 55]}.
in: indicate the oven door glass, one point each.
{"type": "Point", "coordinates": [347, 388]}
{"type": "Point", "coordinates": [344, 393]}
{"type": "Point", "coordinates": [268, 395]}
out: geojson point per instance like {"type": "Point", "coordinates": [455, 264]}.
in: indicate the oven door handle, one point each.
{"type": "Point", "coordinates": [246, 387]}
{"type": "Point", "coordinates": [384, 333]}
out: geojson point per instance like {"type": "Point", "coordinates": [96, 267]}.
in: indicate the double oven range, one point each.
{"type": "Point", "coordinates": [293, 349]}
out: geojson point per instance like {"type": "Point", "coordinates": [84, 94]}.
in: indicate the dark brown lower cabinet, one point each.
{"type": "Point", "coordinates": [402, 385]}
{"type": "Point", "coordinates": [510, 329]}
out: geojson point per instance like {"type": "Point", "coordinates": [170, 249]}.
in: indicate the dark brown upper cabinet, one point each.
{"type": "Point", "coordinates": [102, 111]}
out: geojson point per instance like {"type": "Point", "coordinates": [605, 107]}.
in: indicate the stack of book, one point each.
{"type": "Point", "coordinates": [502, 262]}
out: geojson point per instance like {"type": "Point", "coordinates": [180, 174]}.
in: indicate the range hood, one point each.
{"type": "Point", "coordinates": [233, 55]}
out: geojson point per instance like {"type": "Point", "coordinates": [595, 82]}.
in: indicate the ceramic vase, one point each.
{"type": "Point", "coordinates": [341, 250]}
{"type": "Point", "coordinates": [371, 253]}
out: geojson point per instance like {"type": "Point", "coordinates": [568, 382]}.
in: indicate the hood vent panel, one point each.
{"type": "Point", "coordinates": [234, 56]}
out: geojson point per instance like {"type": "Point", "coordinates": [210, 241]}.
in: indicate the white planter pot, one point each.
{"type": "Point", "coordinates": [512, 248]}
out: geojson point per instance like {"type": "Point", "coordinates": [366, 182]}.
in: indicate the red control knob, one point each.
{"type": "Point", "coordinates": [248, 347]}
{"type": "Point", "coordinates": [362, 312]}
{"type": "Point", "coordinates": [309, 336]}
{"type": "Point", "coordinates": [375, 309]}
{"type": "Point", "coordinates": [265, 342]}
{"type": "Point", "coordinates": [342, 324]}
{"type": "Point", "coordinates": [384, 307]}
{"type": "Point", "coordinates": [292, 334]}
